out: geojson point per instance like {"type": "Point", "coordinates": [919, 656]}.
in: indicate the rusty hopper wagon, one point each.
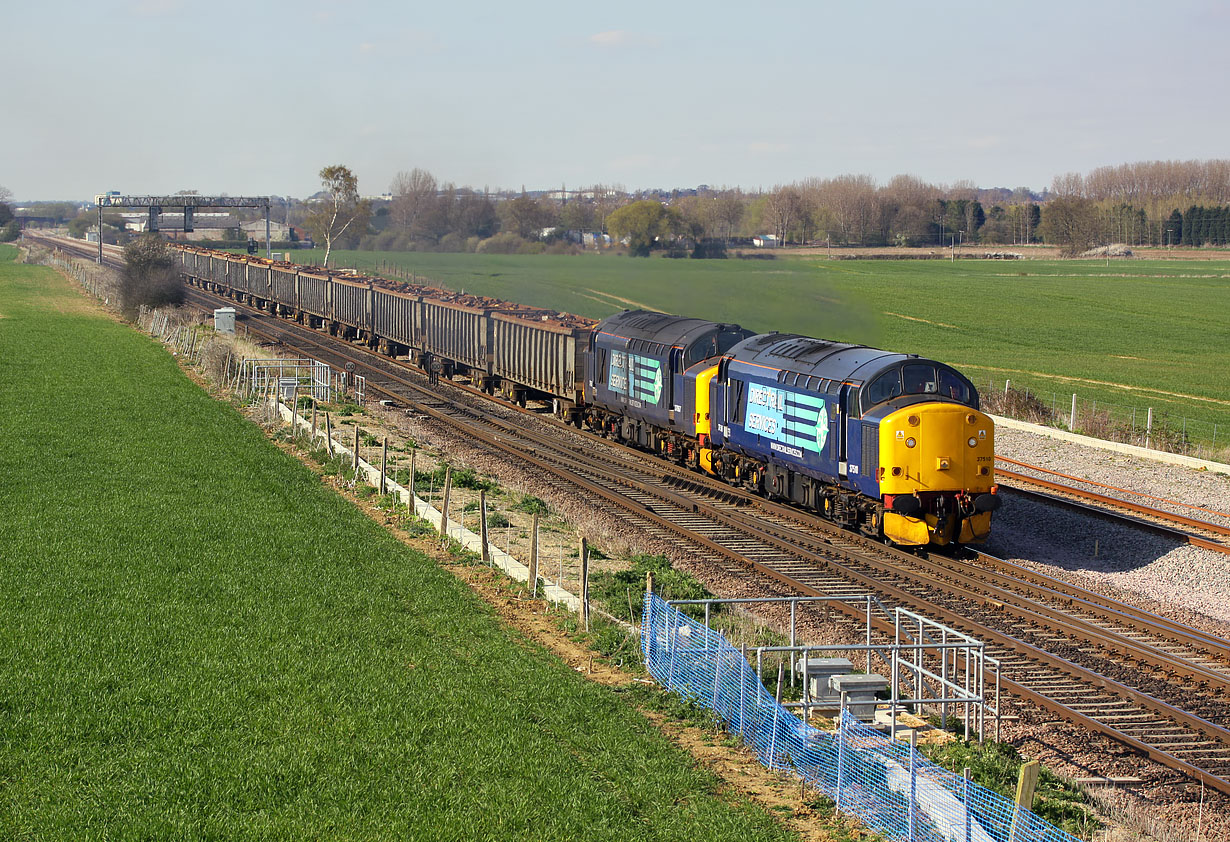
{"type": "Point", "coordinates": [501, 347]}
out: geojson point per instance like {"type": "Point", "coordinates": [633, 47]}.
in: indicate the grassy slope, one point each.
{"type": "Point", "coordinates": [197, 640]}
{"type": "Point", "coordinates": [1154, 326]}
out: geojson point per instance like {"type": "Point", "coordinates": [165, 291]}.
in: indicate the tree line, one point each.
{"type": "Point", "coordinates": [1155, 203]}
{"type": "Point", "coordinates": [1136, 204]}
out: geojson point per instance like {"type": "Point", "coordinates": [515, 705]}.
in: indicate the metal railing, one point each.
{"type": "Point", "coordinates": [886, 783]}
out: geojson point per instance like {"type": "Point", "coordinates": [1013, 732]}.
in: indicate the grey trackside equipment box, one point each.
{"type": "Point", "coordinates": [818, 671]}
{"type": "Point", "coordinates": [224, 320]}
{"type": "Point", "coordinates": [860, 693]}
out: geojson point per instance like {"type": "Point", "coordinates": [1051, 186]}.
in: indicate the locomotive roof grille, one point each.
{"type": "Point", "coordinates": [649, 320]}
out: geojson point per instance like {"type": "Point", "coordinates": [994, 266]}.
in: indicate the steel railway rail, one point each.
{"type": "Point", "coordinates": [1147, 682]}
{"type": "Point", "coordinates": [1113, 504]}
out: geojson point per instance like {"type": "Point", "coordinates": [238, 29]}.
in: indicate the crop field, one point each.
{"type": "Point", "coordinates": [199, 640]}
{"type": "Point", "coordinates": [1134, 334]}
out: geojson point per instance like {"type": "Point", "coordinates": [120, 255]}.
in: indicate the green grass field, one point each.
{"type": "Point", "coordinates": [199, 640]}
{"type": "Point", "coordinates": [1136, 333]}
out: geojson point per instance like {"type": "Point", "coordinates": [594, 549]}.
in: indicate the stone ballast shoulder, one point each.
{"type": "Point", "coordinates": [1117, 447]}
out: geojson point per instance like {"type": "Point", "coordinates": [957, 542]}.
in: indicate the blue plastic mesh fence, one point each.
{"type": "Point", "coordinates": [893, 790]}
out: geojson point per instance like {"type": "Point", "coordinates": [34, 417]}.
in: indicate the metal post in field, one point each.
{"type": "Point", "coordinates": [354, 457]}
{"type": "Point", "coordinates": [794, 605]}
{"type": "Point", "coordinates": [482, 528]}
{"type": "Point", "coordinates": [328, 436]}
{"type": "Point", "coordinates": [742, 683]}
{"type": "Point", "coordinates": [965, 776]}
{"type": "Point", "coordinates": [1007, 383]}
{"type": "Point", "coordinates": [913, 814]}
{"type": "Point", "coordinates": [314, 419]}
{"type": "Point", "coordinates": [1149, 428]}
{"type": "Point", "coordinates": [841, 751]}
{"type": "Point", "coordinates": [1072, 420]}
{"type": "Point", "coordinates": [671, 643]}
{"type": "Point", "coordinates": [776, 713]}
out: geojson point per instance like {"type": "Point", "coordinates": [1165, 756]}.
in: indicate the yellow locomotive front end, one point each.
{"type": "Point", "coordinates": [937, 474]}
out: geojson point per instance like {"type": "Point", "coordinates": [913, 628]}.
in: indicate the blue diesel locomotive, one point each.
{"type": "Point", "coordinates": [890, 444]}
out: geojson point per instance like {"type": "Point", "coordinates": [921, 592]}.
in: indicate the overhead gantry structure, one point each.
{"type": "Point", "coordinates": [188, 203]}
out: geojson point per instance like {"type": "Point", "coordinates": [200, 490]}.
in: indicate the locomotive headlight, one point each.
{"type": "Point", "coordinates": [910, 442]}
{"type": "Point", "coordinates": [973, 442]}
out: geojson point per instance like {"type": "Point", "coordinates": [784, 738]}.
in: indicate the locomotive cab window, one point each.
{"type": "Point", "coordinates": [852, 402]}
{"type": "Point", "coordinates": [885, 387]}
{"type": "Point", "coordinates": [953, 385]}
{"type": "Point", "coordinates": [919, 379]}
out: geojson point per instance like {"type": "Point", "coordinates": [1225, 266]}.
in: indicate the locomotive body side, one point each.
{"type": "Point", "coordinates": [641, 378]}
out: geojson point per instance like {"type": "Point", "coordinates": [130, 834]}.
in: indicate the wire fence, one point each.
{"type": "Point", "coordinates": [1202, 437]}
{"type": "Point", "coordinates": [888, 785]}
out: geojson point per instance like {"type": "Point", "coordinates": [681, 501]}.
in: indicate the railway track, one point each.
{"type": "Point", "coordinates": [1144, 681]}
{"type": "Point", "coordinates": [1117, 504]}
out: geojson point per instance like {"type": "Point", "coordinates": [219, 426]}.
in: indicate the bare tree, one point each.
{"type": "Point", "coordinates": [1068, 186]}
{"type": "Point", "coordinates": [783, 207]}
{"type": "Point", "coordinates": [906, 204]}
{"type": "Point", "coordinates": [1072, 223]}
{"type": "Point", "coordinates": [341, 210]}
{"type": "Point", "coordinates": [607, 198]}
{"type": "Point", "coordinates": [413, 193]}
{"type": "Point", "coordinates": [851, 203]}
{"type": "Point", "coordinates": [729, 206]}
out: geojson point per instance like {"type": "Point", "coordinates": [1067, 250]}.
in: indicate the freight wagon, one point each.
{"type": "Point", "coordinates": [520, 352]}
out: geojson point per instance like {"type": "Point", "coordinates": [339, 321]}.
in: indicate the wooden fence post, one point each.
{"type": "Point", "coordinates": [1025, 783]}
{"type": "Point", "coordinates": [414, 452]}
{"type": "Point", "coordinates": [585, 582]}
{"type": "Point", "coordinates": [448, 487]}
{"type": "Point", "coordinates": [355, 456]}
{"type": "Point", "coordinates": [482, 513]}
{"type": "Point", "coordinates": [384, 464]}
{"type": "Point", "coordinates": [534, 557]}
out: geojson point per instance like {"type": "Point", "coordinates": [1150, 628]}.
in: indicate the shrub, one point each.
{"type": "Point", "coordinates": [503, 243]}
{"type": "Point", "coordinates": [532, 506]}
{"type": "Point", "coordinates": [613, 591]}
{"type": "Point", "coordinates": [149, 276]}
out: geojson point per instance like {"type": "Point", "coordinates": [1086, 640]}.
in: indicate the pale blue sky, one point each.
{"type": "Point", "coordinates": [152, 96]}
